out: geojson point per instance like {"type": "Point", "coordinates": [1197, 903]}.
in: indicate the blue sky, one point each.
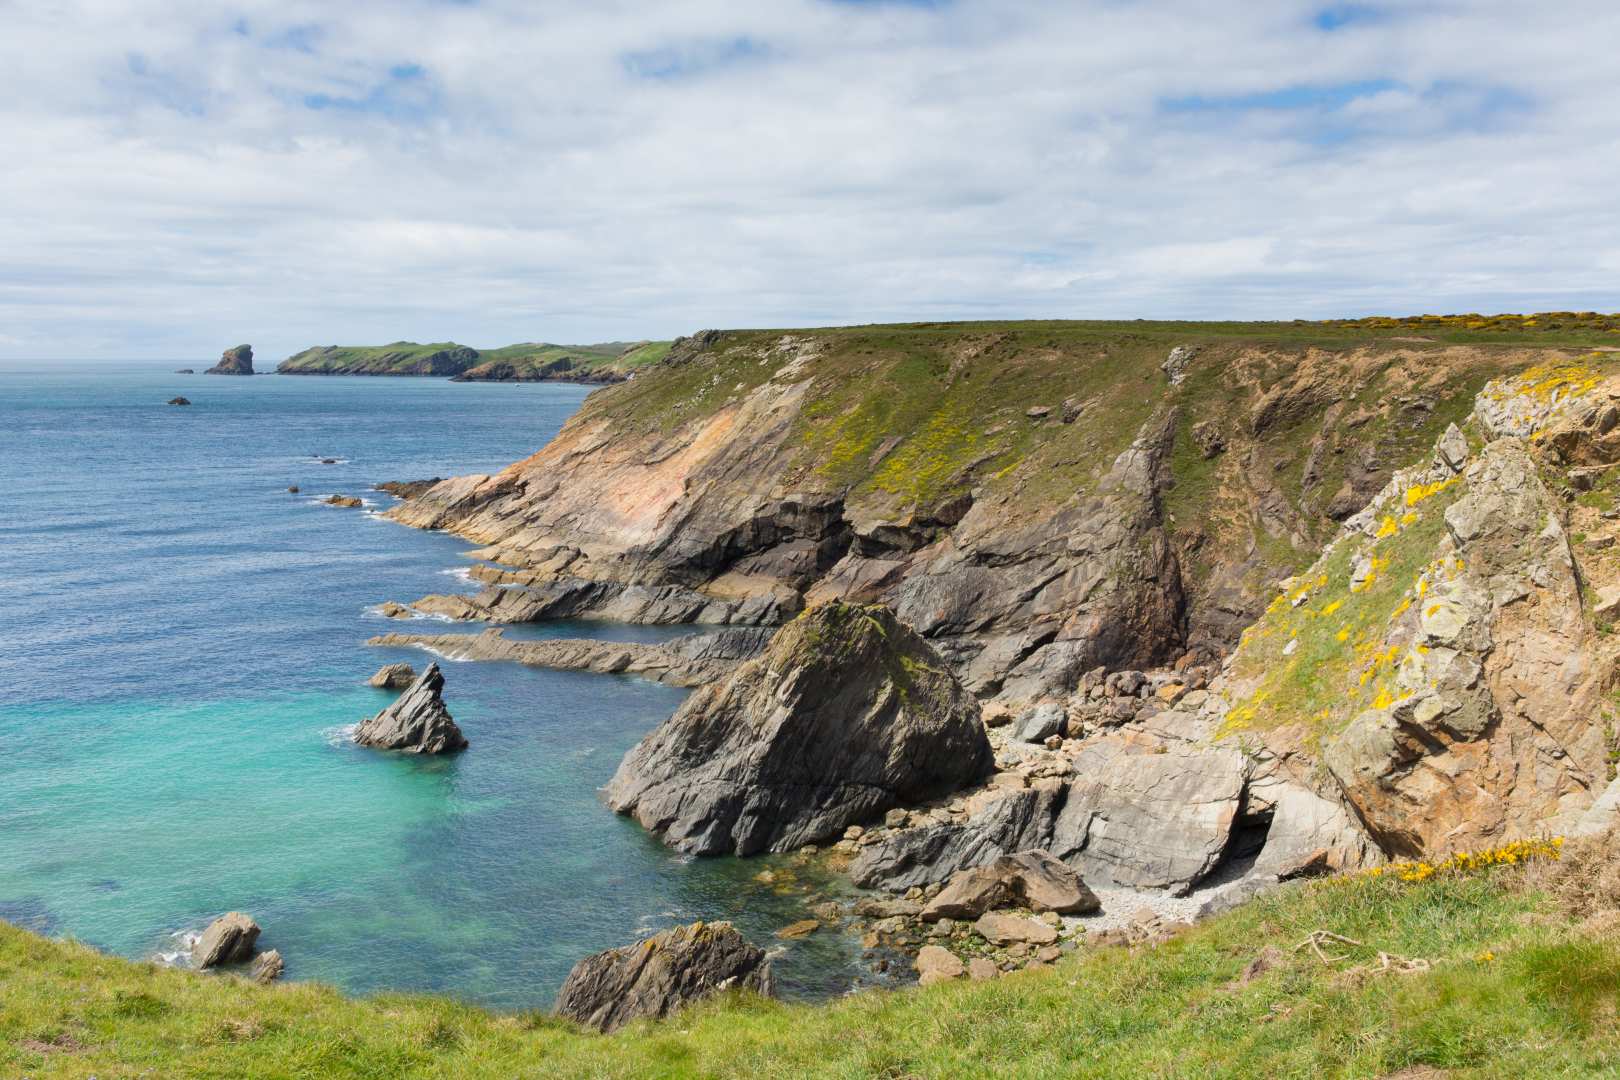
{"type": "Point", "coordinates": [184, 177]}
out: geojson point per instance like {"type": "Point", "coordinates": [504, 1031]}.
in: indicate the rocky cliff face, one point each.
{"type": "Point", "coordinates": [237, 361]}
{"type": "Point", "coordinates": [846, 714]}
{"type": "Point", "coordinates": [1439, 670]}
{"type": "Point", "coordinates": [1036, 502]}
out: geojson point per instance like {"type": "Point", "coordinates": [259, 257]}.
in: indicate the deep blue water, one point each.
{"type": "Point", "coordinates": [182, 641]}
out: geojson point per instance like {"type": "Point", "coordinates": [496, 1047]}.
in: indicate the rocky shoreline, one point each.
{"type": "Point", "coordinates": [934, 736]}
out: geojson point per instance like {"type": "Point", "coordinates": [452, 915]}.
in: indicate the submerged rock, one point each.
{"type": "Point", "coordinates": [237, 361]}
{"type": "Point", "coordinates": [393, 677]}
{"type": "Point", "coordinates": [417, 723]}
{"type": "Point", "coordinates": [229, 939]}
{"type": "Point", "coordinates": [653, 978]}
{"type": "Point", "coordinates": [847, 713]}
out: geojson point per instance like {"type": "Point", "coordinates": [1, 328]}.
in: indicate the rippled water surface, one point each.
{"type": "Point", "coordinates": [182, 645]}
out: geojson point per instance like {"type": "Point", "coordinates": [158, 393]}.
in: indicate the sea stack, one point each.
{"type": "Point", "coordinates": [237, 361]}
{"type": "Point", "coordinates": [417, 723]}
{"type": "Point", "coordinates": [847, 713]}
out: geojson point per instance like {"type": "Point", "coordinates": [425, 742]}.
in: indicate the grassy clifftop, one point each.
{"type": "Point", "coordinates": [1503, 971]}
{"type": "Point", "coordinates": [511, 363]}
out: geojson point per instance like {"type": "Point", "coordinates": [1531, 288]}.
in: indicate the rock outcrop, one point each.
{"type": "Point", "coordinates": [348, 502]}
{"type": "Point", "coordinates": [268, 966]}
{"type": "Point", "coordinates": [417, 722]}
{"type": "Point", "coordinates": [237, 361]}
{"type": "Point", "coordinates": [846, 714]}
{"type": "Point", "coordinates": [653, 978]}
{"type": "Point", "coordinates": [694, 660]}
{"type": "Point", "coordinates": [179, 401]}
{"type": "Point", "coordinates": [229, 939]}
{"type": "Point", "coordinates": [393, 677]}
{"type": "Point", "coordinates": [1456, 680]}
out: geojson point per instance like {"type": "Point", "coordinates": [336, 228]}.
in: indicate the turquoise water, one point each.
{"type": "Point", "coordinates": [182, 645]}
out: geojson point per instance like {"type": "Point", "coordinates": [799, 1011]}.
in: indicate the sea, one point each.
{"type": "Point", "coordinates": [183, 658]}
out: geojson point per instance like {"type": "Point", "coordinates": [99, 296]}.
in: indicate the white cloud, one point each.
{"type": "Point", "coordinates": [179, 178]}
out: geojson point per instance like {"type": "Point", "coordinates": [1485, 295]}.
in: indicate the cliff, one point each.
{"type": "Point", "coordinates": [541, 362]}
{"type": "Point", "coordinates": [1037, 499]}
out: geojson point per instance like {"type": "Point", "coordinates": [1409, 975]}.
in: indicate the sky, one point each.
{"type": "Point", "coordinates": [178, 178]}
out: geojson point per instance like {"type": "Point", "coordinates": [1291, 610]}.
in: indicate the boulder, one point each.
{"type": "Point", "coordinates": [179, 401]}
{"type": "Point", "coordinates": [1001, 928]}
{"type": "Point", "coordinates": [229, 939]}
{"type": "Point", "coordinates": [348, 501]}
{"type": "Point", "coordinates": [655, 977]}
{"type": "Point", "coordinates": [846, 714]}
{"type": "Point", "coordinates": [1017, 821]}
{"type": "Point", "coordinates": [393, 677]}
{"type": "Point", "coordinates": [937, 964]}
{"type": "Point", "coordinates": [801, 929]}
{"type": "Point", "coordinates": [1149, 815]}
{"type": "Point", "coordinates": [417, 722]}
{"type": "Point", "coordinates": [982, 967]}
{"type": "Point", "coordinates": [237, 361]}
{"type": "Point", "coordinates": [268, 966]}
{"type": "Point", "coordinates": [1037, 724]}
{"type": "Point", "coordinates": [1030, 879]}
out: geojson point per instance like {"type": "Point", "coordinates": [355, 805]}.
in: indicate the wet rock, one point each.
{"type": "Point", "coordinates": [237, 361]}
{"type": "Point", "coordinates": [268, 966]}
{"type": "Point", "coordinates": [393, 610]}
{"type": "Point", "coordinates": [292, 489]}
{"type": "Point", "coordinates": [408, 489]}
{"type": "Point", "coordinates": [393, 677]}
{"type": "Point", "coordinates": [656, 977]}
{"type": "Point", "coordinates": [347, 501]}
{"type": "Point", "coordinates": [185, 371]}
{"type": "Point", "coordinates": [801, 929]}
{"type": "Point", "coordinates": [847, 714]}
{"type": "Point", "coordinates": [1029, 879]}
{"type": "Point", "coordinates": [179, 401]}
{"type": "Point", "coordinates": [229, 939]}
{"type": "Point", "coordinates": [936, 964]}
{"type": "Point", "coordinates": [417, 722]}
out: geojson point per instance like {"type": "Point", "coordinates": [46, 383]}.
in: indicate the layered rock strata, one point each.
{"type": "Point", "coordinates": [846, 714]}
{"type": "Point", "coordinates": [656, 977]}
{"type": "Point", "coordinates": [417, 722]}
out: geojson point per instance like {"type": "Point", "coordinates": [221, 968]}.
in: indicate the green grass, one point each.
{"type": "Point", "coordinates": [1510, 994]}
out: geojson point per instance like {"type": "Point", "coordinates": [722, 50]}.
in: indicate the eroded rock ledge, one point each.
{"type": "Point", "coordinates": [694, 660]}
